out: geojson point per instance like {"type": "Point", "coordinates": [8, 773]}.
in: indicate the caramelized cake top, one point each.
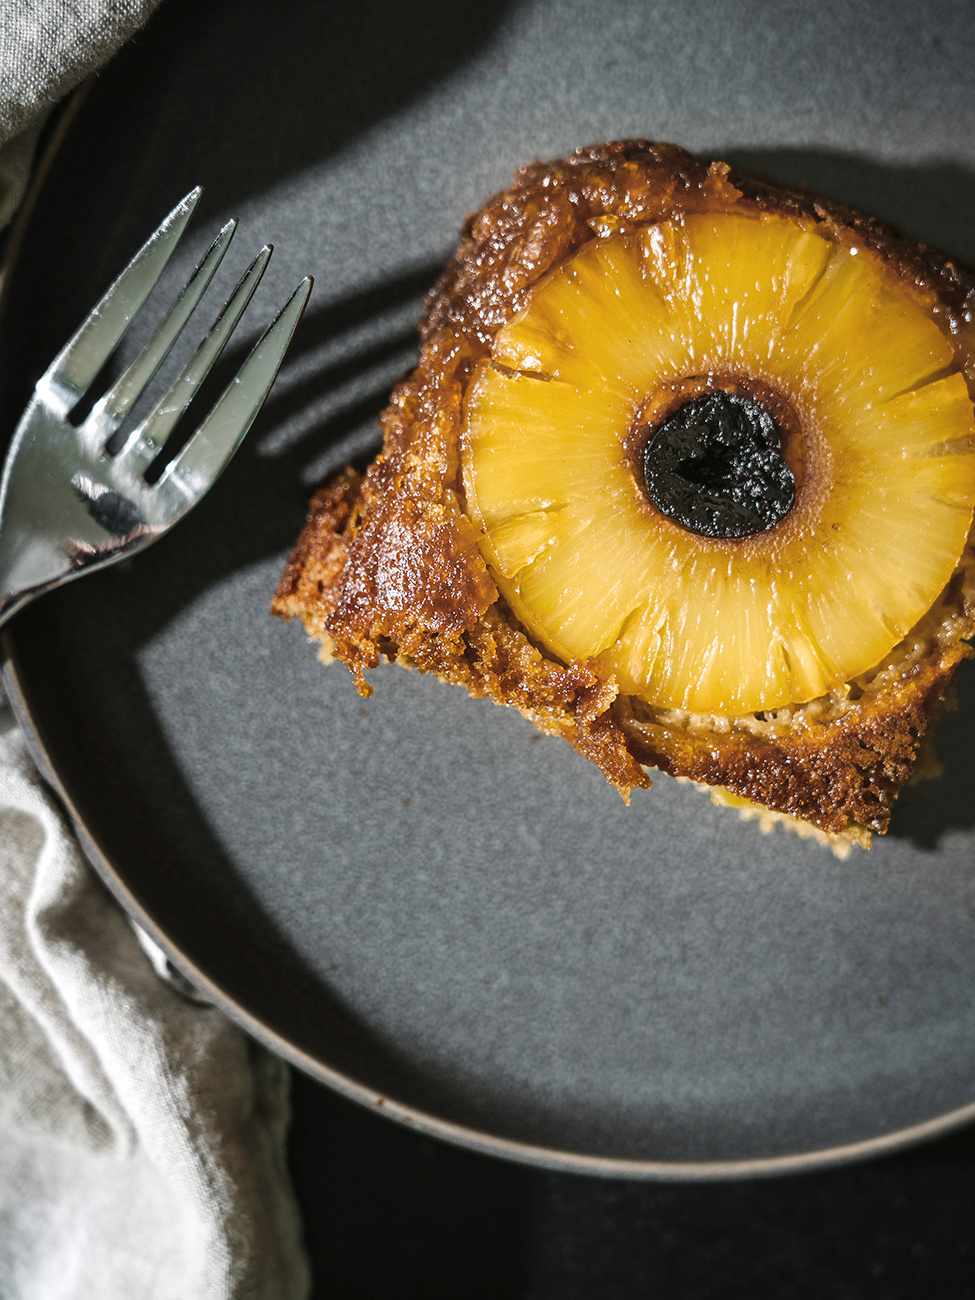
{"type": "Point", "coordinates": [417, 560]}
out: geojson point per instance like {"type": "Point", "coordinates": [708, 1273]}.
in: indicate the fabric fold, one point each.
{"type": "Point", "coordinates": [142, 1135]}
{"type": "Point", "coordinates": [47, 47]}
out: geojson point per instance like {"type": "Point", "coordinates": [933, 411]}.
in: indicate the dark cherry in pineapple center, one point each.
{"type": "Point", "coordinates": [715, 467]}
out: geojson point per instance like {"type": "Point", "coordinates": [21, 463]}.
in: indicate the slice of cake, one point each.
{"type": "Point", "coordinates": [686, 474]}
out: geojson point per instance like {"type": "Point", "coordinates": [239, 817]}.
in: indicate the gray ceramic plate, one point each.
{"type": "Point", "coordinates": [416, 898]}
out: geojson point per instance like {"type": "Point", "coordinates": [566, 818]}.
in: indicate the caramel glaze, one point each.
{"type": "Point", "coordinates": [388, 563]}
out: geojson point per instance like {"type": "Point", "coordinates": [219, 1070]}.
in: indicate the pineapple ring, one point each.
{"type": "Point", "coordinates": [711, 625]}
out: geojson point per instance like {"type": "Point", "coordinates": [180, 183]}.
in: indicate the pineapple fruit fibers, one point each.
{"type": "Point", "coordinates": [686, 474]}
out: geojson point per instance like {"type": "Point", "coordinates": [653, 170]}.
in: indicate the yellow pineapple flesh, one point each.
{"type": "Point", "coordinates": [716, 625]}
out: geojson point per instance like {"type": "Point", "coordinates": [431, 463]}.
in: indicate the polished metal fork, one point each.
{"type": "Point", "coordinates": [69, 504]}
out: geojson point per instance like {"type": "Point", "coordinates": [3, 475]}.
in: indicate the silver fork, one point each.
{"type": "Point", "coordinates": [67, 504]}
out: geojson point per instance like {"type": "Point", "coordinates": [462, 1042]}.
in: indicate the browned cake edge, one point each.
{"type": "Point", "coordinates": [388, 563]}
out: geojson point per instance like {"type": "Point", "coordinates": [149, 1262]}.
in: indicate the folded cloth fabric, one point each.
{"type": "Point", "coordinates": [141, 1134]}
{"type": "Point", "coordinates": [46, 48]}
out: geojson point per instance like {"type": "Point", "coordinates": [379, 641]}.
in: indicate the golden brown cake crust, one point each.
{"type": "Point", "coordinates": [388, 563]}
{"type": "Point", "coordinates": [844, 772]}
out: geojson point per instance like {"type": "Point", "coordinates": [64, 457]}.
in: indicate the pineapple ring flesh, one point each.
{"type": "Point", "coordinates": [713, 625]}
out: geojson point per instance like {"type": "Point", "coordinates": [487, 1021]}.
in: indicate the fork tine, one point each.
{"type": "Point", "coordinates": [207, 453]}
{"type": "Point", "coordinates": [145, 443]}
{"type": "Point", "coordinates": [109, 412]}
{"type": "Point", "coordinates": [80, 360]}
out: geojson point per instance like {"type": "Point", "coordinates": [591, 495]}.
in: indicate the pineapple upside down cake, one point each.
{"type": "Point", "coordinates": [686, 474]}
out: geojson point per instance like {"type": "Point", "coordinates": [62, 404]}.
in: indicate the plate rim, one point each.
{"type": "Point", "coordinates": [470, 1138]}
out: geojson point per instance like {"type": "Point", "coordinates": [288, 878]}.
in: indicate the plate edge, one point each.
{"type": "Point", "coordinates": [459, 1135]}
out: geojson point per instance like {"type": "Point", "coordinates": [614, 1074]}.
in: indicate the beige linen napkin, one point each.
{"type": "Point", "coordinates": [142, 1135]}
{"type": "Point", "coordinates": [47, 47]}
